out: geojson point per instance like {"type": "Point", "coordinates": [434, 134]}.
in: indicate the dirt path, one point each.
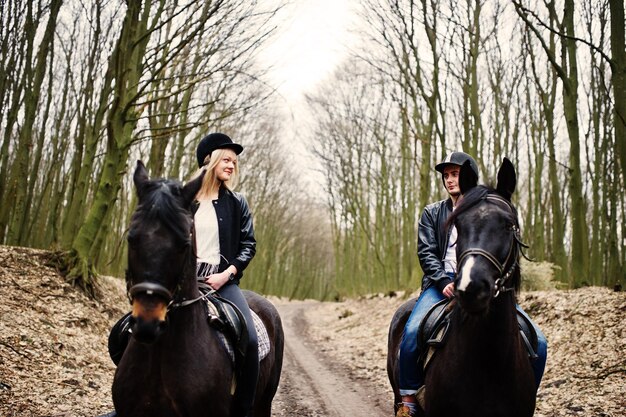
{"type": "Point", "coordinates": [311, 384]}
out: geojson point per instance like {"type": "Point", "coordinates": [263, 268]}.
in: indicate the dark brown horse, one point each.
{"type": "Point", "coordinates": [175, 365]}
{"type": "Point", "coordinates": [482, 369]}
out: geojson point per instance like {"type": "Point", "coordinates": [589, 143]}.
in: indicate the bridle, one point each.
{"type": "Point", "coordinates": [512, 258]}
{"type": "Point", "coordinates": [154, 288]}
{"type": "Point", "coordinates": [149, 288]}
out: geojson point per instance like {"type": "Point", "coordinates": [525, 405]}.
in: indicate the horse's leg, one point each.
{"type": "Point", "coordinates": [263, 408]}
{"type": "Point", "coordinates": [269, 375]}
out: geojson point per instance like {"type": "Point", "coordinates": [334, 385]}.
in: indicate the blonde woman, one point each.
{"type": "Point", "coordinates": [225, 242]}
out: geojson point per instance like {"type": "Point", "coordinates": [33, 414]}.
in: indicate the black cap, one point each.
{"type": "Point", "coordinates": [457, 158]}
{"type": "Point", "coordinates": [215, 141]}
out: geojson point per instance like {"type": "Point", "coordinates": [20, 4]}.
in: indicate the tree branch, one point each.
{"type": "Point", "coordinates": [562, 35]}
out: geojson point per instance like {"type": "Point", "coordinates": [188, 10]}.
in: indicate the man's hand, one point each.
{"type": "Point", "coordinates": [448, 291]}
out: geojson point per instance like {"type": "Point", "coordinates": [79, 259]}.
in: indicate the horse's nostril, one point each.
{"type": "Point", "coordinates": [147, 331]}
{"type": "Point", "coordinates": [475, 295]}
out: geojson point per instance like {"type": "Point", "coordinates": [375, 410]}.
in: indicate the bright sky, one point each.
{"type": "Point", "coordinates": [312, 40]}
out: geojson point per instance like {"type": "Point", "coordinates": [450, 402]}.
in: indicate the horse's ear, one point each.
{"type": "Point", "coordinates": [507, 179]}
{"type": "Point", "coordinates": [467, 177]}
{"type": "Point", "coordinates": [191, 189]}
{"type": "Point", "coordinates": [140, 178]}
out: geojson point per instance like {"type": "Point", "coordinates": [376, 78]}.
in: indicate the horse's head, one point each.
{"type": "Point", "coordinates": [159, 249]}
{"type": "Point", "coordinates": [488, 243]}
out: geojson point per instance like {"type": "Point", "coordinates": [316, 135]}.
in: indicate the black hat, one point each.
{"type": "Point", "coordinates": [215, 141]}
{"type": "Point", "coordinates": [457, 158]}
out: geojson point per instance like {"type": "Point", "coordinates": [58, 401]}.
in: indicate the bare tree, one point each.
{"type": "Point", "coordinates": [33, 77]}
{"type": "Point", "coordinates": [567, 71]}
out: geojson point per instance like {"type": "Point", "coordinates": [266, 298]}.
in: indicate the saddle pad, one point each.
{"type": "Point", "coordinates": [261, 332]}
{"type": "Point", "coordinates": [262, 336]}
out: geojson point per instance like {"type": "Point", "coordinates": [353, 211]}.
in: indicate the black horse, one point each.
{"type": "Point", "coordinates": [482, 368]}
{"type": "Point", "coordinates": [175, 364]}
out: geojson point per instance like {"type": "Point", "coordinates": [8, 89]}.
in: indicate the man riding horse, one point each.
{"type": "Point", "coordinates": [437, 255]}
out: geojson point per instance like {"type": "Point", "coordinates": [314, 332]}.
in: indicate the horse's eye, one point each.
{"type": "Point", "coordinates": [132, 239]}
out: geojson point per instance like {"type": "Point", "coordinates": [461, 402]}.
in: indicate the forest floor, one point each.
{"type": "Point", "coordinates": [54, 360]}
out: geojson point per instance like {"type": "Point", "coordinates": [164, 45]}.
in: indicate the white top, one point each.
{"type": "Point", "coordinates": [207, 233]}
{"type": "Point", "coordinates": [449, 261]}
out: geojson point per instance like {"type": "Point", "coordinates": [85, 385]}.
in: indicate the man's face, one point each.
{"type": "Point", "coordinates": [451, 180]}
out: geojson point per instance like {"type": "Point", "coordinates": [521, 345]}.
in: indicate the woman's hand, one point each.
{"type": "Point", "coordinates": [448, 291]}
{"type": "Point", "coordinates": [217, 281]}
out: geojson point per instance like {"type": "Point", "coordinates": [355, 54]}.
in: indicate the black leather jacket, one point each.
{"type": "Point", "coordinates": [236, 232]}
{"type": "Point", "coordinates": [432, 244]}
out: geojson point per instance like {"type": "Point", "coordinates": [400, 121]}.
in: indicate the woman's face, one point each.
{"type": "Point", "coordinates": [226, 165]}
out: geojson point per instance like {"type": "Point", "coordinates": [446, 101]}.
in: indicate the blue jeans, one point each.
{"type": "Point", "coordinates": [411, 373]}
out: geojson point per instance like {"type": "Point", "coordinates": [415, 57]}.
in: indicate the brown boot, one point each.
{"type": "Point", "coordinates": [404, 411]}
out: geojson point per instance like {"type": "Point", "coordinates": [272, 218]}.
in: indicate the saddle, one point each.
{"type": "Point", "coordinates": [227, 319]}
{"type": "Point", "coordinates": [232, 329]}
{"type": "Point", "coordinates": [528, 334]}
{"type": "Point", "coordinates": [434, 329]}
{"type": "Point", "coordinates": [224, 316]}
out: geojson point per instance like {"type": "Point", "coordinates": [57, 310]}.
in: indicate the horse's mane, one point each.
{"type": "Point", "coordinates": [475, 196]}
{"type": "Point", "coordinates": [160, 200]}
{"type": "Point", "coordinates": [470, 199]}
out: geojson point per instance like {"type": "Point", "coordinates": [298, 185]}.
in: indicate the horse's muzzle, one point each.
{"type": "Point", "coordinates": [148, 317]}
{"type": "Point", "coordinates": [476, 297]}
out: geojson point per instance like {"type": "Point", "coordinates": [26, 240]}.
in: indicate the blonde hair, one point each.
{"type": "Point", "coordinates": [210, 183]}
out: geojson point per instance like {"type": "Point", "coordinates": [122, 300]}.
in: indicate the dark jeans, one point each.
{"type": "Point", "coordinates": [411, 373]}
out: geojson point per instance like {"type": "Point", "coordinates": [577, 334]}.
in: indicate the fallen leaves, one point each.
{"type": "Point", "coordinates": [586, 331]}
{"type": "Point", "coordinates": [54, 359]}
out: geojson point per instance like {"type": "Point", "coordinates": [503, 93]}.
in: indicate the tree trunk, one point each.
{"type": "Point", "coordinates": [618, 55]}
{"type": "Point", "coordinates": [90, 119]}
{"type": "Point", "coordinates": [126, 63]}
{"type": "Point", "coordinates": [18, 181]}
{"type": "Point", "coordinates": [580, 243]}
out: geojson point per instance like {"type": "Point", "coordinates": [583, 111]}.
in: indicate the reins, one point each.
{"type": "Point", "coordinates": [201, 284]}
{"type": "Point", "coordinates": [152, 288]}
{"type": "Point", "coordinates": [172, 305]}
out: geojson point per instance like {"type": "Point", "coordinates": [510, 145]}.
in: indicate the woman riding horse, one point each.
{"type": "Point", "coordinates": [225, 242]}
{"type": "Point", "coordinates": [175, 363]}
